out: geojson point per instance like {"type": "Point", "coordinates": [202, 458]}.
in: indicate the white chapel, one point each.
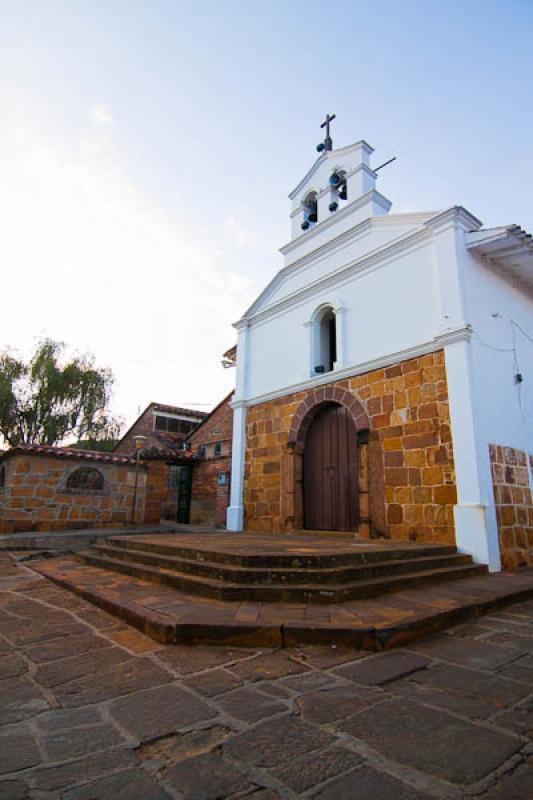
{"type": "Point", "coordinates": [384, 379]}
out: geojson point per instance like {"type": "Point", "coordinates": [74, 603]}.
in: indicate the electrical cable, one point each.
{"type": "Point", "coordinates": [522, 331]}
{"type": "Point", "coordinates": [516, 365]}
{"type": "Point", "coordinates": [492, 347]}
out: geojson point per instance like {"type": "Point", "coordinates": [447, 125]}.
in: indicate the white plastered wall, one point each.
{"type": "Point", "coordinates": [385, 310]}
{"type": "Point", "coordinates": [496, 310]}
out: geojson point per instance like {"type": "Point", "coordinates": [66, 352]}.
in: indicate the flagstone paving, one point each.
{"type": "Point", "coordinates": [92, 709]}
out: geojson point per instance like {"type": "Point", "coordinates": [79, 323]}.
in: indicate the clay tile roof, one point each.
{"type": "Point", "coordinates": [168, 454]}
{"type": "Point", "coordinates": [70, 453]}
{"type": "Point", "coordinates": [231, 354]}
{"type": "Point", "coordinates": [73, 454]}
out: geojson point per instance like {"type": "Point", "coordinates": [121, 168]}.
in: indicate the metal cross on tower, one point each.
{"type": "Point", "coordinates": [328, 143]}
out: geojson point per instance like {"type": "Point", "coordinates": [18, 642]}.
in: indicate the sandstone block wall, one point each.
{"type": "Point", "coordinates": [34, 496]}
{"type": "Point", "coordinates": [409, 455]}
{"type": "Point", "coordinates": [514, 504]}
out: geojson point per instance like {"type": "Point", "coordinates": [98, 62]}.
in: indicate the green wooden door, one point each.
{"type": "Point", "coordinates": [184, 494]}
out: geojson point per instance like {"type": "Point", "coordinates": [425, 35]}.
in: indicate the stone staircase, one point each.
{"type": "Point", "coordinates": [335, 574]}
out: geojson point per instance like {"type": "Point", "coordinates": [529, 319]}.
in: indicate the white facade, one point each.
{"type": "Point", "coordinates": [400, 285]}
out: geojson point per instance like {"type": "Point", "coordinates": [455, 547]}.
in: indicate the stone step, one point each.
{"type": "Point", "coordinates": [281, 576]}
{"type": "Point", "coordinates": [272, 560]}
{"type": "Point", "coordinates": [231, 592]}
{"type": "Point", "coordinates": [392, 620]}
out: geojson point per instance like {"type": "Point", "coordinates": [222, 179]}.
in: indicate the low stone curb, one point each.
{"type": "Point", "coordinates": [75, 540]}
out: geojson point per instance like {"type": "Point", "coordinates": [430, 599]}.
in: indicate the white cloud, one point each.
{"type": "Point", "coordinates": [89, 258]}
{"type": "Point", "coordinates": [101, 117]}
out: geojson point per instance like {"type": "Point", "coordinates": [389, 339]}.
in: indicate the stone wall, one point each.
{"type": "Point", "coordinates": [514, 504]}
{"type": "Point", "coordinates": [407, 477]}
{"type": "Point", "coordinates": [35, 498]}
{"type": "Point", "coordinates": [209, 499]}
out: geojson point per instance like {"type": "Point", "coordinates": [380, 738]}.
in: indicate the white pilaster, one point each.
{"type": "Point", "coordinates": [309, 364]}
{"type": "Point", "coordinates": [340, 363]}
{"type": "Point", "coordinates": [473, 533]}
{"type": "Point", "coordinates": [361, 181]}
{"type": "Point", "coordinates": [235, 511]}
{"type": "Point", "coordinates": [449, 228]}
{"type": "Point", "coordinates": [448, 277]}
{"type": "Point", "coordinates": [323, 200]}
{"type": "Point", "coordinates": [475, 529]}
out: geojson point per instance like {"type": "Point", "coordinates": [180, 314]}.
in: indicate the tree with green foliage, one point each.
{"type": "Point", "coordinates": [49, 399]}
{"type": "Point", "coordinates": [101, 445]}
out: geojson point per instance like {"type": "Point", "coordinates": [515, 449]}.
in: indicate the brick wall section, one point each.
{"type": "Point", "coordinates": [35, 498]}
{"type": "Point", "coordinates": [209, 500]}
{"type": "Point", "coordinates": [409, 449]}
{"type": "Point", "coordinates": [144, 426]}
{"type": "Point", "coordinates": [156, 492]}
{"type": "Point", "coordinates": [514, 504]}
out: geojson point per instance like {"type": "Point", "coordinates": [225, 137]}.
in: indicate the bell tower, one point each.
{"type": "Point", "coordinates": [338, 192]}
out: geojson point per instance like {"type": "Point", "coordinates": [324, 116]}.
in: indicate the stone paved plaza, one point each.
{"type": "Point", "coordinates": [91, 709]}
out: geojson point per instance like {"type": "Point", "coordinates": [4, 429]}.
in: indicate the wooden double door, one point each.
{"type": "Point", "coordinates": [330, 471]}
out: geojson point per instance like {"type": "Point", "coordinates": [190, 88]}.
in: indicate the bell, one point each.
{"type": "Point", "coordinates": [305, 225]}
{"type": "Point", "coordinates": [333, 206]}
{"type": "Point", "coordinates": [335, 180]}
{"type": "Point", "coordinates": [320, 147]}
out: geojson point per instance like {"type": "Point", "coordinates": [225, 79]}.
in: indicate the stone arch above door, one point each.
{"type": "Point", "coordinates": [312, 404]}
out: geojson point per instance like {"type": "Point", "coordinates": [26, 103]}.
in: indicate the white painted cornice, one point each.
{"type": "Point", "coordinates": [437, 343]}
{"type": "Point", "coordinates": [343, 212]}
{"type": "Point", "coordinates": [456, 215]}
{"type": "Point", "coordinates": [238, 404]}
{"type": "Point", "coordinates": [320, 160]}
{"type": "Point", "coordinates": [417, 218]}
{"type": "Point", "coordinates": [241, 324]}
{"type": "Point", "coordinates": [461, 333]}
{"type": "Point", "coordinates": [374, 259]}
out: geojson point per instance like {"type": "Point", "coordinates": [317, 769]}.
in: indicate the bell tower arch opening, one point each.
{"type": "Point", "coordinates": [310, 207]}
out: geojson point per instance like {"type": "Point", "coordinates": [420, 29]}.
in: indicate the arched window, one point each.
{"type": "Point", "coordinates": [86, 479]}
{"type": "Point", "coordinates": [310, 208]}
{"type": "Point", "coordinates": [2, 477]}
{"type": "Point", "coordinates": [325, 335]}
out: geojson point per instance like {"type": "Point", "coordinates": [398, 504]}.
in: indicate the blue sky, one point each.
{"type": "Point", "coordinates": [147, 149]}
